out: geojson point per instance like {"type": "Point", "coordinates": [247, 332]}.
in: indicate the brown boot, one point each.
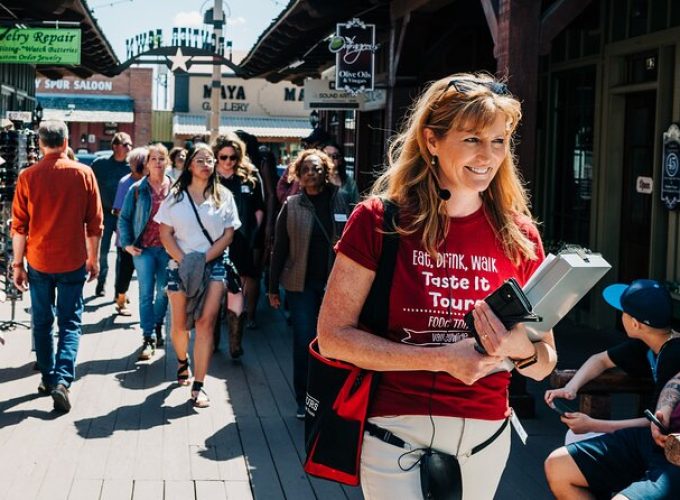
{"type": "Point", "coordinates": [121, 305]}
{"type": "Point", "coordinates": [236, 324]}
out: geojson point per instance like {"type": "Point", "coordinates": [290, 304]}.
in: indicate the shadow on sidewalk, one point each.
{"type": "Point", "coordinates": [148, 414]}
{"type": "Point", "coordinates": [9, 418]}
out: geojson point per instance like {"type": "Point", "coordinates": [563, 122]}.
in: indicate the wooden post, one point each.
{"type": "Point", "coordinates": [216, 74]}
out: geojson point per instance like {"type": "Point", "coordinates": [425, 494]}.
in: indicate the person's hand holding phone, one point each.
{"type": "Point", "coordinates": [659, 426]}
{"type": "Point", "coordinates": [561, 393]}
{"type": "Point", "coordinates": [560, 406]}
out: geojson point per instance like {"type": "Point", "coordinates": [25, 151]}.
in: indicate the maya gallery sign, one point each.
{"type": "Point", "coordinates": [670, 175]}
{"type": "Point", "coordinates": [40, 45]}
{"type": "Point", "coordinates": [354, 47]}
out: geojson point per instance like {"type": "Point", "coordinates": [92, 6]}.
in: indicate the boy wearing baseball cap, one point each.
{"type": "Point", "coordinates": [621, 459]}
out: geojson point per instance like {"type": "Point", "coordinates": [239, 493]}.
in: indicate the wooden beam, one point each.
{"type": "Point", "coordinates": [491, 19]}
{"type": "Point", "coordinates": [558, 17]}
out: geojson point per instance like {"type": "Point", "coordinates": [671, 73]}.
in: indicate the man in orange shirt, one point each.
{"type": "Point", "coordinates": [57, 226]}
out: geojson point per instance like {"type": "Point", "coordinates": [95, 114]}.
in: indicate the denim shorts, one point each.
{"type": "Point", "coordinates": [217, 273]}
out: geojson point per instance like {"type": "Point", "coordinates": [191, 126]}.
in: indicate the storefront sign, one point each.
{"type": "Point", "coordinates": [252, 97]}
{"type": "Point", "coordinates": [670, 175]}
{"type": "Point", "coordinates": [180, 37]}
{"type": "Point", "coordinates": [40, 45]}
{"type": "Point", "coordinates": [322, 94]}
{"type": "Point", "coordinates": [644, 185]}
{"type": "Point", "coordinates": [92, 85]}
{"type": "Point", "coordinates": [354, 48]}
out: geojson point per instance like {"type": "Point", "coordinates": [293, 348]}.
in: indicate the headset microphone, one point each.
{"type": "Point", "coordinates": [444, 194]}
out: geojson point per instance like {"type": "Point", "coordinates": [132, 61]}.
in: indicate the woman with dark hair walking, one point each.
{"type": "Point", "coordinates": [237, 173]}
{"type": "Point", "coordinates": [198, 221]}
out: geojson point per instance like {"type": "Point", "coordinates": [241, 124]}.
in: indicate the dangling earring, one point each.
{"type": "Point", "coordinates": [444, 194]}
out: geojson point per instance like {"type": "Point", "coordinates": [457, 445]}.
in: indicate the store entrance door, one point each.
{"type": "Point", "coordinates": [636, 196]}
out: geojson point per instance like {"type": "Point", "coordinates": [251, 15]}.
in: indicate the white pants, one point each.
{"type": "Point", "coordinates": [383, 478]}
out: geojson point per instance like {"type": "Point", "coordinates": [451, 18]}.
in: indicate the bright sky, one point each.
{"type": "Point", "coordinates": [122, 19]}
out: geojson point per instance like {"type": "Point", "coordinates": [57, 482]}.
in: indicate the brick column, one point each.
{"type": "Point", "coordinates": [516, 52]}
{"type": "Point", "coordinates": [141, 82]}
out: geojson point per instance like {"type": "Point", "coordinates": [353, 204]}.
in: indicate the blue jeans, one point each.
{"type": "Point", "coordinates": [304, 313]}
{"type": "Point", "coordinates": [67, 290]}
{"type": "Point", "coordinates": [152, 278]}
{"type": "Point", "coordinates": [110, 222]}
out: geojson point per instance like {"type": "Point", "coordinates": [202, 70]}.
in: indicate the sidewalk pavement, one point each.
{"type": "Point", "coordinates": [132, 434]}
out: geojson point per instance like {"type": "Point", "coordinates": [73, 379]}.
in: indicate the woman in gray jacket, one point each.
{"type": "Point", "coordinates": [307, 227]}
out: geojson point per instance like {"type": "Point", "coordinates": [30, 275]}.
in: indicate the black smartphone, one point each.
{"type": "Point", "coordinates": [561, 407]}
{"type": "Point", "coordinates": [509, 303]}
{"type": "Point", "coordinates": [652, 418]}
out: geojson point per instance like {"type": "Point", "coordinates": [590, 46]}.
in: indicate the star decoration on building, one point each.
{"type": "Point", "coordinates": [179, 61]}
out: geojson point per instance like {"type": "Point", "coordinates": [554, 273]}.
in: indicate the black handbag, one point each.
{"type": "Point", "coordinates": [338, 393]}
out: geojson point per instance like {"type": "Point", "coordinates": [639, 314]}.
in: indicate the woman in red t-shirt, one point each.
{"type": "Point", "coordinates": [464, 228]}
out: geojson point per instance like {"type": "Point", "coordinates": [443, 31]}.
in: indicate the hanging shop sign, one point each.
{"type": "Point", "coordinates": [354, 47]}
{"type": "Point", "coordinates": [670, 175]}
{"type": "Point", "coordinates": [40, 45]}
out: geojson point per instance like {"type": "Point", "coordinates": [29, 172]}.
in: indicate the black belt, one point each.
{"type": "Point", "coordinates": [389, 438]}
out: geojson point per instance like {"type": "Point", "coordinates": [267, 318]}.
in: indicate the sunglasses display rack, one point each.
{"type": "Point", "coordinates": [19, 149]}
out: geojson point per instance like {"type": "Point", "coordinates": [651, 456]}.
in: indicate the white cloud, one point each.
{"type": "Point", "coordinates": [192, 19]}
{"type": "Point", "coordinates": [236, 21]}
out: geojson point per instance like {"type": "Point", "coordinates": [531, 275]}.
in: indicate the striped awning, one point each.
{"type": "Point", "coordinates": [259, 126]}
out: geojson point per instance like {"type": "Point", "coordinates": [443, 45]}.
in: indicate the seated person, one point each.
{"type": "Point", "coordinates": [652, 351]}
{"type": "Point", "coordinates": [626, 453]}
{"type": "Point", "coordinates": [627, 462]}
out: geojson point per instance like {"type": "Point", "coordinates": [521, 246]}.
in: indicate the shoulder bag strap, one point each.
{"type": "Point", "coordinates": [318, 221]}
{"type": "Point", "coordinates": [198, 218]}
{"type": "Point", "coordinates": [375, 312]}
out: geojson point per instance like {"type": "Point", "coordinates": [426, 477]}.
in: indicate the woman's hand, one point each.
{"type": "Point", "coordinates": [563, 393]}
{"type": "Point", "coordinates": [466, 364]}
{"type": "Point", "coordinates": [498, 341]}
{"type": "Point", "coordinates": [133, 250]}
{"type": "Point", "coordinates": [274, 300]}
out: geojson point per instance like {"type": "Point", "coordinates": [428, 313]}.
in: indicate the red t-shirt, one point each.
{"type": "Point", "coordinates": [427, 303]}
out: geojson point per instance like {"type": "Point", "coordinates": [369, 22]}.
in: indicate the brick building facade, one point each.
{"type": "Point", "coordinates": [98, 107]}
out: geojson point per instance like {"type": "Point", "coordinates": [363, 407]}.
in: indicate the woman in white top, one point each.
{"type": "Point", "coordinates": [197, 193]}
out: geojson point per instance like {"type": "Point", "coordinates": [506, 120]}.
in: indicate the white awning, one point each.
{"type": "Point", "coordinates": [76, 115]}
{"type": "Point", "coordinates": [259, 126]}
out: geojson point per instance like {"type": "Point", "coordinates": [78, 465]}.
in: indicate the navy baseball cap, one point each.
{"type": "Point", "coordinates": [647, 301]}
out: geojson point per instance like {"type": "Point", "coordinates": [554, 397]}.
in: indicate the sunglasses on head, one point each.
{"type": "Point", "coordinates": [463, 85]}
{"type": "Point", "coordinates": [124, 144]}
{"type": "Point", "coordinates": [228, 157]}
